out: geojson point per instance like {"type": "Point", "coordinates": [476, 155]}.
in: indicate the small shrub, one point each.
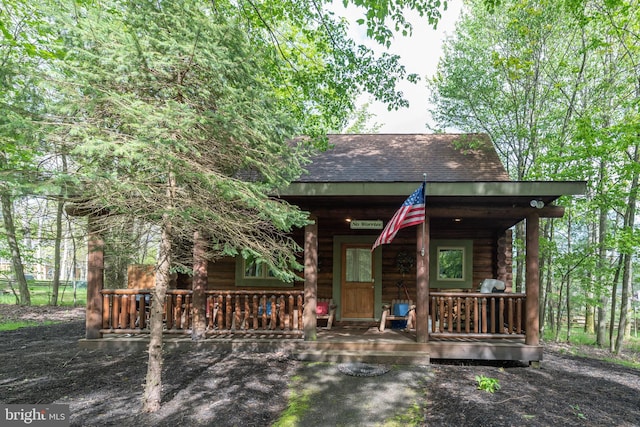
{"type": "Point", "coordinates": [487, 383]}
{"type": "Point", "coordinates": [577, 412]}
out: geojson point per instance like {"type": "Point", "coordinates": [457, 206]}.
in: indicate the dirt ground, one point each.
{"type": "Point", "coordinates": [42, 365]}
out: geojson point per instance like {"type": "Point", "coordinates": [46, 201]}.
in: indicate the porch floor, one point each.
{"type": "Point", "coordinates": [343, 343]}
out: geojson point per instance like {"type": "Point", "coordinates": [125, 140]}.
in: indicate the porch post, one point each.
{"type": "Point", "coordinates": [198, 286]}
{"type": "Point", "coordinates": [422, 282]}
{"type": "Point", "coordinates": [532, 280]}
{"type": "Point", "coordinates": [309, 319]}
{"type": "Point", "coordinates": [95, 281]}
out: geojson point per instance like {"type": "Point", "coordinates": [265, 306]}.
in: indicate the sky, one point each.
{"type": "Point", "coordinates": [419, 54]}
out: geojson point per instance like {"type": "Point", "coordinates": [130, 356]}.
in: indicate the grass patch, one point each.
{"type": "Point", "coordinates": [582, 342]}
{"type": "Point", "coordinates": [299, 404]}
{"type": "Point", "coordinates": [12, 325]}
{"type": "Point", "coordinates": [40, 294]}
{"type": "Point", "coordinates": [633, 344]}
{"type": "Point", "coordinates": [622, 362]}
{"type": "Point", "coordinates": [413, 416]}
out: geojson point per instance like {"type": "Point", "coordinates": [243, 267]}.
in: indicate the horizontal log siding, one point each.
{"type": "Point", "coordinates": [325, 265]}
{"type": "Point", "coordinates": [485, 263]}
{"type": "Point", "coordinates": [492, 258]}
{"type": "Point", "coordinates": [504, 257]}
{"type": "Point", "coordinates": [391, 276]}
{"type": "Point", "coordinates": [221, 274]}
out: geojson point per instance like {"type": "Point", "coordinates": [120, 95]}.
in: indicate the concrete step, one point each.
{"type": "Point", "coordinates": [380, 357]}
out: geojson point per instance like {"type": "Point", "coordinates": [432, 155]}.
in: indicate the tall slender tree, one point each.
{"type": "Point", "coordinates": [555, 85]}
{"type": "Point", "coordinates": [182, 115]}
{"type": "Point", "coordinates": [24, 32]}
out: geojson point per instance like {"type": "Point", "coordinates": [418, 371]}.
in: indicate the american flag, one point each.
{"type": "Point", "coordinates": [410, 213]}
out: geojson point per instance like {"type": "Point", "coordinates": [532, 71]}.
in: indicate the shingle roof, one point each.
{"type": "Point", "coordinates": [405, 157]}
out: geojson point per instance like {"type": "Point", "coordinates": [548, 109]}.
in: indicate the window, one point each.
{"type": "Point", "coordinates": [450, 261]}
{"type": "Point", "coordinates": [358, 265]}
{"type": "Point", "coordinates": [254, 269]}
{"type": "Point", "coordinates": [451, 264]}
{"type": "Point", "coordinates": [251, 272]}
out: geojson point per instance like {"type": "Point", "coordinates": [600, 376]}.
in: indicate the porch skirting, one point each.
{"type": "Point", "coordinates": [339, 345]}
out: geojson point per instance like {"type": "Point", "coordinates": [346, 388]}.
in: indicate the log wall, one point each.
{"type": "Point", "coordinates": [492, 258]}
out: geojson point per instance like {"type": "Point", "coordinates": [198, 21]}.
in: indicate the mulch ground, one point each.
{"type": "Point", "coordinates": [43, 364]}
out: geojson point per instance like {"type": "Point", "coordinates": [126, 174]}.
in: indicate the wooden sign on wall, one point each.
{"type": "Point", "coordinates": [366, 224]}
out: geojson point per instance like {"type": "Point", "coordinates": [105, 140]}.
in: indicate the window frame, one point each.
{"type": "Point", "coordinates": [464, 245]}
{"type": "Point", "coordinates": [263, 281]}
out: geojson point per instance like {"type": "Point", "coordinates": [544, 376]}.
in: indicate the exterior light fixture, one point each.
{"type": "Point", "coordinates": [538, 204]}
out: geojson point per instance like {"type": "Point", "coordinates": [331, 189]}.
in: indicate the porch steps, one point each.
{"type": "Point", "coordinates": [401, 353]}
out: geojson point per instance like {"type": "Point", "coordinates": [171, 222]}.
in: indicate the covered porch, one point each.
{"type": "Point", "coordinates": [462, 326]}
{"type": "Point", "coordinates": [449, 324]}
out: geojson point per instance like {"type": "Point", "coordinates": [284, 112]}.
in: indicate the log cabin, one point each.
{"type": "Point", "coordinates": [446, 266]}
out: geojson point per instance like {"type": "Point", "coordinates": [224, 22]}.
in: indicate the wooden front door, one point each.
{"type": "Point", "coordinates": [358, 284]}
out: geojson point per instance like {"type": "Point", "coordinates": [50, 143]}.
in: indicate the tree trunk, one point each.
{"type": "Point", "coordinates": [601, 331]}
{"type": "Point", "coordinates": [55, 285]}
{"type": "Point", "coordinates": [614, 295]}
{"type": "Point", "coordinates": [624, 304]}
{"type": "Point", "coordinates": [558, 320]}
{"type": "Point", "coordinates": [73, 267]}
{"type": "Point", "coordinates": [545, 265]}
{"type": "Point", "coordinates": [627, 275]}
{"type": "Point", "coordinates": [199, 284]}
{"type": "Point", "coordinates": [152, 397]}
{"type": "Point", "coordinates": [568, 279]}
{"type": "Point", "coordinates": [153, 386]}
{"type": "Point", "coordinates": [589, 318]}
{"type": "Point", "coordinates": [602, 262]}
{"type": "Point", "coordinates": [12, 241]}
{"type": "Point", "coordinates": [56, 256]}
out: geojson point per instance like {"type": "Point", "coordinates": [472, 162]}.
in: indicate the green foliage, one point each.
{"type": "Point", "coordinates": [23, 55]}
{"type": "Point", "coordinates": [450, 263]}
{"type": "Point", "coordinates": [492, 78]}
{"type": "Point", "coordinates": [377, 13]}
{"type": "Point", "coordinates": [12, 325]}
{"type": "Point", "coordinates": [135, 92]}
{"type": "Point", "coordinates": [40, 293]}
{"type": "Point", "coordinates": [555, 86]}
{"type": "Point", "coordinates": [584, 344]}
{"type": "Point", "coordinates": [413, 416]}
{"type": "Point", "coordinates": [360, 121]}
{"type": "Point", "coordinates": [578, 412]}
{"type": "Point", "coordinates": [209, 94]}
{"type": "Point", "coordinates": [487, 384]}
{"type": "Point", "coordinates": [299, 404]}
{"type": "Point", "coordinates": [162, 90]}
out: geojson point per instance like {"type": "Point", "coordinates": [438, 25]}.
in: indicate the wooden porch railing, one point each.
{"type": "Point", "coordinates": [477, 315]}
{"type": "Point", "coordinates": [126, 311]}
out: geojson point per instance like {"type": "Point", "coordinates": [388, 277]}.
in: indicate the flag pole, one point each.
{"type": "Point", "coordinates": [424, 200]}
